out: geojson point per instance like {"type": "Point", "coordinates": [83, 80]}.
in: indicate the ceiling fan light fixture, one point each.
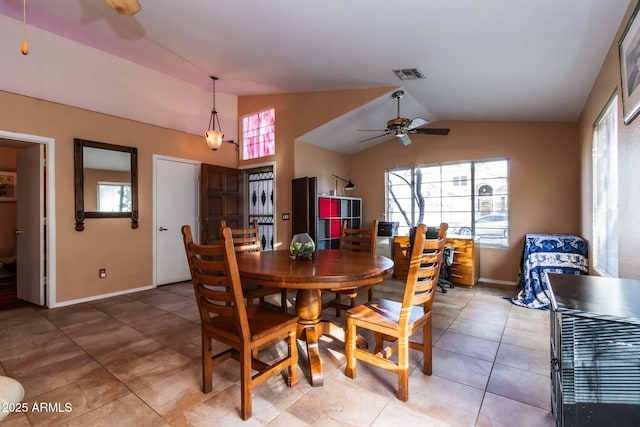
{"type": "Point", "coordinates": [125, 7]}
{"type": "Point", "coordinates": [403, 139]}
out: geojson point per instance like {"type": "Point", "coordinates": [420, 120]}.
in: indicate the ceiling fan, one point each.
{"type": "Point", "coordinates": [401, 127]}
{"type": "Point", "coordinates": [124, 7]}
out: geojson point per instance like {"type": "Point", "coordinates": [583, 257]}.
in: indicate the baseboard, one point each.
{"type": "Point", "coordinates": [99, 297]}
{"type": "Point", "coordinates": [499, 282]}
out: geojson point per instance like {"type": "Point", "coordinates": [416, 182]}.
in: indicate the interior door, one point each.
{"type": "Point", "coordinates": [30, 224]}
{"type": "Point", "coordinates": [176, 204]}
{"type": "Point", "coordinates": [221, 198]}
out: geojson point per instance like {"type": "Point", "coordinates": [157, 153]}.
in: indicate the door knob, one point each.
{"type": "Point", "coordinates": [19, 231]}
{"type": "Point", "coordinates": [163, 229]}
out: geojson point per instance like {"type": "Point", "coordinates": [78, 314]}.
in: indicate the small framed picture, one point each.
{"type": "Point", "coordinates": [629, 50]}
{"type": "Point", "coordinates": [8, 181]}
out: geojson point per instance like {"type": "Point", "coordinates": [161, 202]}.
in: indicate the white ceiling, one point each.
{"type": "Point", "coordinates": [483, 60]}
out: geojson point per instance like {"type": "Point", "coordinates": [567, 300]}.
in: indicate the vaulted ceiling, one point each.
{"type": "Point", "coordinates": [481, 60]}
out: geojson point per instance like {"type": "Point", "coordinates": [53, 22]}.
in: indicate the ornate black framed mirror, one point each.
{"type": "Point", "coordinates": [106, 181]}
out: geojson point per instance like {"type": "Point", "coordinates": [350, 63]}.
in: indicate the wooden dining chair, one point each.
{"type": "Point", "coordinates": [354, 239]}
{"type": "Point", "coordinates": [225, 318]}
{"type": "Point", "coordinates": [395, 322]}
{"type": "Point", "coordinates": [248, 240]}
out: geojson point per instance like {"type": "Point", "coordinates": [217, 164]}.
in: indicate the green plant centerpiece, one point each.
{"type": "Point", "coordinates": [302, 247]}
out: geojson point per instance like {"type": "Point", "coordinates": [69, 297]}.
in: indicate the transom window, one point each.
{"type": "Point", "coordinates": [259, 134]}
{"type": "Point", "coordinates": [472, 197]}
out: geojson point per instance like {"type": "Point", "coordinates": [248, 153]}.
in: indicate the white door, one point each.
{"type": "Point", "coordinates": [30, 220]}
{"type": "Point", "coordinates": [176, 204]}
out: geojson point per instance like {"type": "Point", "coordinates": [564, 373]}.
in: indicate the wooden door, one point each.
{"type": "Point", "coordinates": [221, 198]}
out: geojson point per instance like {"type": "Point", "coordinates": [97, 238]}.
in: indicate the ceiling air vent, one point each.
{"type": "Point", "coordinates": [409, 74]}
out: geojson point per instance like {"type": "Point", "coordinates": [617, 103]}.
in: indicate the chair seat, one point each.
{"type": "Point", "coordinates": [384, 313]}
{"type": "Point", "coordinates": [263, 321]}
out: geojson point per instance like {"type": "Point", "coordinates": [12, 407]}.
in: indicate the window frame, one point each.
{"type": "Point", "coordinates": [604, 196]}
{"type": "Point", "coordinates": [471, 181]}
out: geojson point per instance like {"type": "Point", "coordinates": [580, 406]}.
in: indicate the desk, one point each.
{"type": "Point", "coordinates": [329, 269]}
{"type": "Point", "coordinates": [548, 253]}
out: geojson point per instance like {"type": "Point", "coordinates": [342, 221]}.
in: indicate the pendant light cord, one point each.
{"type": "Point", "coordinates": [24, 47]}
{"type": "Point", "coordinates": [214, 113]}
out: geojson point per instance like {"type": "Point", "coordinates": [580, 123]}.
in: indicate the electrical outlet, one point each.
{"type": "Point", "coordinates": [285, 216]}
{"type": "Point", "coordinates": [102, 273]}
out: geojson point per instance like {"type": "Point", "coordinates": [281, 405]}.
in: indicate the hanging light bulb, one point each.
{"type": "Point", "coordinates": [24, 47]}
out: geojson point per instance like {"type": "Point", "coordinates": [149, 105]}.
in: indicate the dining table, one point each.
{"type": "Point", "coordinates": [327, 269]}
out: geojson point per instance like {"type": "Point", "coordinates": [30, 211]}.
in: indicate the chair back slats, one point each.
{"type": "Point", "coordinates": [424, 269]}
{"type": "Point", "coordinates": [356, 239]}
{"type": "Point", "coordinates": [245, 239]}
{"type": "Point", "coordinates": [217, 289]}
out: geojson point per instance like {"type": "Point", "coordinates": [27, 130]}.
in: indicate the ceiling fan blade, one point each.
{"type": "Point", "coordinates": [431, 131]}
{"type": "Point", "coordinates": [372, 130]}
{"type": "Point", "coordinates": [374, 137]}
{"type": "Point", "coordinates": [417, 122]}
{"type": "Point", "coordinates": [124, 7]}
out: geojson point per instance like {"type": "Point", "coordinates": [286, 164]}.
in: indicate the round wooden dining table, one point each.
{"type": "Point", "coordinates": [328, 269]}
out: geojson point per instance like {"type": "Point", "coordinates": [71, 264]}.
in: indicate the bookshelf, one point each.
{"type": "Point", "coordinates": [321, 215]}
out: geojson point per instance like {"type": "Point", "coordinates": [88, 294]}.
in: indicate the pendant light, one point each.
{"type": "Point", "coordinates": [214, 137]}
{"type": "Point", "coordinates": [24, 47]}
{"type": "Point", "coordinates": [124, 7]}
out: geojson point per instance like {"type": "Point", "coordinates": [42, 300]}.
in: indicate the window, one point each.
{"type": "Point", "coordinates": [605, 190]}
{"type": "Point", "coordinates": [259, 135]}
{"type": "Point", "coordinates": [114, 197]}
{"type": "Point", "coordinates": [472, 197]}
{"type": "Point", "coordinates": [260, 191]}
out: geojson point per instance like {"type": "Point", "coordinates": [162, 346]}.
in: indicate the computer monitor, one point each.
{"type": "Point", "coordinates": [432, 233]}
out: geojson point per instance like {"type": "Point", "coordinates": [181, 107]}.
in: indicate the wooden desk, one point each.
{"type": "Point", "coordinates": [329, 269]}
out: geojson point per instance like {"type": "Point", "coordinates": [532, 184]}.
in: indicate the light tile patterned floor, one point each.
{"type": "Point", "coordinates": [135, 360]}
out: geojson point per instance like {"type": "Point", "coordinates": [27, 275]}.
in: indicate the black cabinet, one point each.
{"type": "Point", "coordinates": [595, 350]}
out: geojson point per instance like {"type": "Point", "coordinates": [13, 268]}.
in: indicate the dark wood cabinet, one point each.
{"type": "Point", "coordinates": [595, 350]}
{"type": "Point", "coordinates": [320, 215]}
{"type": "Point", "coordinates": [303, 206]}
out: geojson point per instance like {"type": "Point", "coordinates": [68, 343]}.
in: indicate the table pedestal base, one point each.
{"type": "Point", "coordinates": [311, 328]}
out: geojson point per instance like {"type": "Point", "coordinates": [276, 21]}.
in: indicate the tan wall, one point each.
{"type": "Point", "coordinates": [608, 82]}
{"type": "Point", "coordinates": [543, 177]}
{"type": "Point", "coordinates": [8, 158]}
{"type": "Point", "coordinates": [297, 114]}
{"type": "Point", "coordinates": [127, 254]}
{"type": "Point", "coordinates": [311, 160]}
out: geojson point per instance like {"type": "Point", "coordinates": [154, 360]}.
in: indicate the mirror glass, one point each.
{"type": "Point", "coordinates": [105, 181]}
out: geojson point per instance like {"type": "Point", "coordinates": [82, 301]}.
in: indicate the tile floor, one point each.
{"type": "Point", "coordinates": [135, 360]}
